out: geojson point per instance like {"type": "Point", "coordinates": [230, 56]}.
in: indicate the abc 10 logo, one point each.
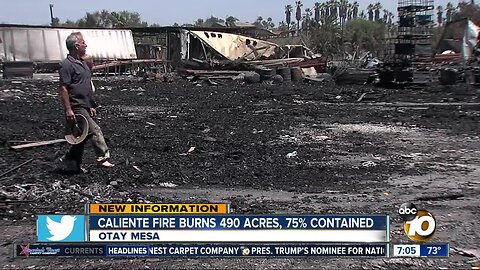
{"type": "Point", "coordinates": [419, 225]}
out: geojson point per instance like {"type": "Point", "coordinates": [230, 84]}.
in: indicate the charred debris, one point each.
{"type": "Point", "coordinates": [254, 55]}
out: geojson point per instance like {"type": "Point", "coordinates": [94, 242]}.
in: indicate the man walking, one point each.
{"type": "Point", "coordinates": [77, 96]}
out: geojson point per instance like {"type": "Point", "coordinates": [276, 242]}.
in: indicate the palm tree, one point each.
{"type": "Point", "coordinates": [288, 15]}
{"type": "Point", "coordinates": [258, 22]}
{"type": "Point", "coordinates": [449, 11]}
{"type": "Point", "coordinates": [308, 15]}
{"type": "Point", "coordinates": [298, 13]}
{"type": "Point", "coordinates": [370, 12]}
{"type": "Point", "coordinates": [282, 26]}
{"type": "Point", "coordinates": [390, 18]}
{"type": "Point", "coordinates": [230, 21]}
{"type": "Point", "coordinates": [265, 25]}
{"type": "Point", "coordinates": [270, 24]}
{"type": "Point", "coordinates": [349, 11]}
{"type": "Point", "coordinates": [362, 15]}
{"type": "Point", "coordinates": [334, 9]}
{"type": "Point", "coordinates": [326, 7]}
{"type": "Point", "coordinates": [327, 37]}
{"type": "Point", "coordinates": [355, 9]}
{"type": "Point", "coordinates": [377, 7]}
{"type": "Point", "coordinates": [317, 11]}
{"type": "Point", "coordinates": [342, 11]}
{"type": "Point", "coordinates": [440, 15]}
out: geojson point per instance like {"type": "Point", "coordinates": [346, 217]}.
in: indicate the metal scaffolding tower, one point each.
{"type": "Point", "coordinates": [416, 21]}
{"type": "Point", "coordinates": [410, 52]}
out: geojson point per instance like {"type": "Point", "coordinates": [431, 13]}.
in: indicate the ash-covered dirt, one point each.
{"type": "Point", "coordinates": [291, 148]}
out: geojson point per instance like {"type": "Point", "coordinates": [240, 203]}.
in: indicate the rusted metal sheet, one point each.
{"type": "Point", "coordinates": [48, 44]}
{"type": "Point", "coordinates": [319, 63]}
{"type": "Point", "coordinates": [235, 47]}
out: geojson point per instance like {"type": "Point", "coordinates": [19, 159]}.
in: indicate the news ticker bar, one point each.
{"type": "Point", "coordinates": [202, 250]}
{"type": "Point", "coordinates": [423, 250]}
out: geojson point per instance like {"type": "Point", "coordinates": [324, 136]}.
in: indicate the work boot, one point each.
{"type": "Point", "coordinates": [106, 164]}
{"type": "Point", "coordinates": [69, 166]}
{"type": "Point", "coordinates": [65, 164]}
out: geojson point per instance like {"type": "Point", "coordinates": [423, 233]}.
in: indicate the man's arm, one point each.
{"type": "Point", "coordinates": [65, 79]}
{"type": "Point", "coordinates": [62, 90]}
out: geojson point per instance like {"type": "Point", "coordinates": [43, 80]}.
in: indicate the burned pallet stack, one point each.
{"type": "Point", "coordinates": [411, 49]}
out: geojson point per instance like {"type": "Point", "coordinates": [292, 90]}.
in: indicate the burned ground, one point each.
{"type": "Point", "coordinates": [179, 142]}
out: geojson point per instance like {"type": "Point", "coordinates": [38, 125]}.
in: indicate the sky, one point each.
{"type": "Point", "coordinates": [37, 12]}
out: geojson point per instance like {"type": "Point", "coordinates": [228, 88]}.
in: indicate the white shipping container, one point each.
{"type": "Point", "coordinates": [48, 44]}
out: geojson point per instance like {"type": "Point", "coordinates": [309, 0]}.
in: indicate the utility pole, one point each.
{"type": "Point", "coordinates": [51, 15]}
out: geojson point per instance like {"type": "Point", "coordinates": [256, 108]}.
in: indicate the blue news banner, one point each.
{"type": "Point", "coordinates": [239, 222]}
{"type": "Point", "coordinates": [239, 228]}
{"type": "Point", "coordinates": [201, 250]}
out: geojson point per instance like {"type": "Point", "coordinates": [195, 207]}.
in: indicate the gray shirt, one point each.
{"type": "Point", "coordinates": [76, 77]}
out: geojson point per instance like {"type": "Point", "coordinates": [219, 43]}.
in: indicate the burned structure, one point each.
{"type": "Point", "coordinates": [411, 49]}
{"type": "Point", "coordinates": [151, 50]}
{"type": "Point", "coordinates": [236, 48]}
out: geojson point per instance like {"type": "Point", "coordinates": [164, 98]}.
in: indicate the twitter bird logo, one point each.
{"type": "Point", "coordinates": [60, 230]}
{"type": "Point", "coordinates": [67, 228]}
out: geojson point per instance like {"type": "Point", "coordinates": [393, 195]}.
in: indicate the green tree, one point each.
{"type": "Point", "coordinates": [69, 23]}
{"type": "Point", "coordinates": [199, 22]}
{"type": "Point", "coordinates": [365, 35]}
{"type": "Point", "coordinates": [212, 21]}
{"type": "Point", "coordinates": [127, 19]}
{"type": "Point", "coordinates": [92, 20]}
{"type": "Point", "coordinates": [105, 19]}
{"type": "Point", "coordinates": [326, 38]}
